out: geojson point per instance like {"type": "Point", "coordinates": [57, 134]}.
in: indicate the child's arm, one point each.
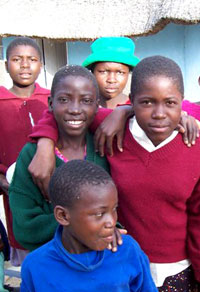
{"type": "Point", "coordinates": [138, 263]}
{"type": "Point", "coordinates": [43, 163]}
{"type": "Point", "coordinates": [193, 230]}
{"type": "Point", "coordinates": [46, 127]}
{"type": "Point", "coordinates": [33, 220]}
{"type": "Point", "coordinates": [3, 181]}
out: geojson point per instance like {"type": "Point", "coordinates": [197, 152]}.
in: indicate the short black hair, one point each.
{"type": "Point", "coordinates": [155, 66]}
{"type": "Point", "coordinates": [22, 41]}
{"type": "Point", "coordinates": [69, 178]}
{"type": "Point", "coordinates": [73, 70]}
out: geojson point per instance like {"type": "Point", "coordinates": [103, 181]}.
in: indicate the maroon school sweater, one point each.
{"type": "Point", "coordinates": [15, 124]}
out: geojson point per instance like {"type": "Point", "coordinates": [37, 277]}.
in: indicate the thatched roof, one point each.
{"type": "Point", "coordinates": [90, 19]}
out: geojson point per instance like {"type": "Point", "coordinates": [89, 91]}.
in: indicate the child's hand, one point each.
{"type": "Point", "coordinates": [113, 126]}
{"type": "Point", "coordinates": [4, 185]}
{"type": "Point", "coordinates": [189, 127]}
{"type": "Point", "coordinates": [42, 165]}
{"type": "Point", "coordinates": [117, 239]}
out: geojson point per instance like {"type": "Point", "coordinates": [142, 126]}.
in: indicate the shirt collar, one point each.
{"type": "Point", "coordinates": [142, 139]}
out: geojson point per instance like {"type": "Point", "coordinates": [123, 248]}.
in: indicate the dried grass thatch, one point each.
{"type": "Point", "coordinates": [90, 19]}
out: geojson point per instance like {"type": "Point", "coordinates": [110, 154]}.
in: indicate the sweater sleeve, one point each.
{"type": "Point", "coordinates": [33, 220]}
{"type": "Point", "coordinates": [46, 127]}
{"type": "Point", "coordinates": [191, 108]}
{"type": "Point", "coordinates": [193, 232]}
{"type": "Point", "coordinates": [99, 117]}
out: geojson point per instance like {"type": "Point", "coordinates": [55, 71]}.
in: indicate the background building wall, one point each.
{"type": "Point", "coordinates": [179, 42]}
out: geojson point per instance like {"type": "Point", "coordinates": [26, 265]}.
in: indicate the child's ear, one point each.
{"type": "Point", "coordinates": [6, 66]}
{"type": "Point", "coordinates": [50, 101]}
{"type": "Point", "coordinates": [62, 215]}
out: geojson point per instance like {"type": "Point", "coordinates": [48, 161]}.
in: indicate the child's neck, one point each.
{"type": "Point", "coordinates": [72, 147]}
{"type": "Point", "coordinates": [113, 102]}
{"type": "Point", "coordinates": [71, 244]}
{"type": "Point", "coordinates": [25, 91]}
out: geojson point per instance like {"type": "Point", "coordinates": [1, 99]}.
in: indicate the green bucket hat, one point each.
{"type": "Point", "coordinates": [112, 49]}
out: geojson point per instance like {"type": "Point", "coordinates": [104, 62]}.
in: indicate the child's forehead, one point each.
{"type": "Point", "coordinates": [71, 80]}
{"type": "Point", "coordinates": [156, 80]}
{"type": "Point", "coordinates": [23, 50]}
{"type": "Point", "coordinates": [98, 195]}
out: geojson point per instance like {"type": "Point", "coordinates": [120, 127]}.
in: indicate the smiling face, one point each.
{"type": "Point", "coordinates": [23, 65]}
{"type": "Point", "coordinates": [111, 78]}
{"type": "Point", "coordinates": [157, 107]}
{"type": "Point", "coordinates": [74, 105]}
{"type": "Point", "coordinates": [92, 219]}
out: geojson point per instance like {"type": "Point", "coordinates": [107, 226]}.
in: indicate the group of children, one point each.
{"type": "Point", "coordinates": [156, 176]}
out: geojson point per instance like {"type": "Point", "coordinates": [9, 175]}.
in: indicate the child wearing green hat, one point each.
{"type": "Point", "coordinates": [111, 61]}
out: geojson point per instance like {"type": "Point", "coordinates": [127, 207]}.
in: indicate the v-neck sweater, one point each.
{"type": "Point", "coordinates": [159, 198]}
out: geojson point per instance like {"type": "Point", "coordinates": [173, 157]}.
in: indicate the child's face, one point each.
{"type": "Point", "coordinates": [111, 78]}
{"type": "Point", "coordinates": [93, 218]}
{"type": "Point", "coordinates": [74, 105]}
{"type": "Point", "coordinates": [24, 65]}
{"type": "Point", "coordinates": [158, 108]}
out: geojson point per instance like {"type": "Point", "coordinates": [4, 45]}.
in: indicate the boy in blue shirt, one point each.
{"type": "Point", "coordinates": [85, 202]}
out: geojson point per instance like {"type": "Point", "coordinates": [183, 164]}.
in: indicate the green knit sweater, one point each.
{"type": "Point", "coordinates": [33, 220]}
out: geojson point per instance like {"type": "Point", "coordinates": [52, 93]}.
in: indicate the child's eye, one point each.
{"type": "Point", "coordinates": [99, 214]}
{"type": "Point", "coordinates": [146, 102]}
{"type": "Point", "coordinates": [16, 59]}
{"type": "Point", "coordinates": [102, 71]}
{"type": "Point", "coordinates": [34, 60]}
{"type": "Point", "coordinates": [115, 209]}
{"type": "Point", "coordinates": [63, 99]}
{"type": "Point", "coordinates": [171, 102]}
{"type": "Point", "coordinates": [120, 73]}
{"type": "Point", "coordinates": [88, 101]}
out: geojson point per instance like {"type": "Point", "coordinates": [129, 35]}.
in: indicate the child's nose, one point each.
{"type": "Point", "coordinates": [111, 77]}
{"type": "Point", "coordinates": [159, 112]}
{"type": "Point", "coordinates": [74, 107]}
{"type": "Point", "coordinates": [110, 221]}
{"type": "Point", "coordinates": [25, 63]}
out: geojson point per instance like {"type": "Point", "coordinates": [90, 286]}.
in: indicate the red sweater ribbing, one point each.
{"type": "Point", "coordinates": [15, 125]}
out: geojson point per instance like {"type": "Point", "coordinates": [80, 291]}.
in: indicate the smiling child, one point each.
{"type": "Point", "coordinates": [74, 102]}
{"type": "Point", "coordinates": [85, 205]}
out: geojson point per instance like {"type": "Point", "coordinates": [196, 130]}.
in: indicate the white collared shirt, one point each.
{"type": "Point", "coordinates": [158, 271]}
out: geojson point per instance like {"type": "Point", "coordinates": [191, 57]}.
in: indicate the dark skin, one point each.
{"type": "Point", "coordinates": [74, 106]}
{"type": "Point", "coordinates": [24, 66]}
{"type": "Point", "coordinates": [90, 223]}
{"type": "Point", "coordinates": [114, 126]}
{"type": "Point", "coordinates": [112, 78]}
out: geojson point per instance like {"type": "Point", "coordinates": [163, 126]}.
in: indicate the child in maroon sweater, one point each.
{"type": "Point", "coordinates": [158, 177]}
{"type": "Point", "coordinates": [21, 107]}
